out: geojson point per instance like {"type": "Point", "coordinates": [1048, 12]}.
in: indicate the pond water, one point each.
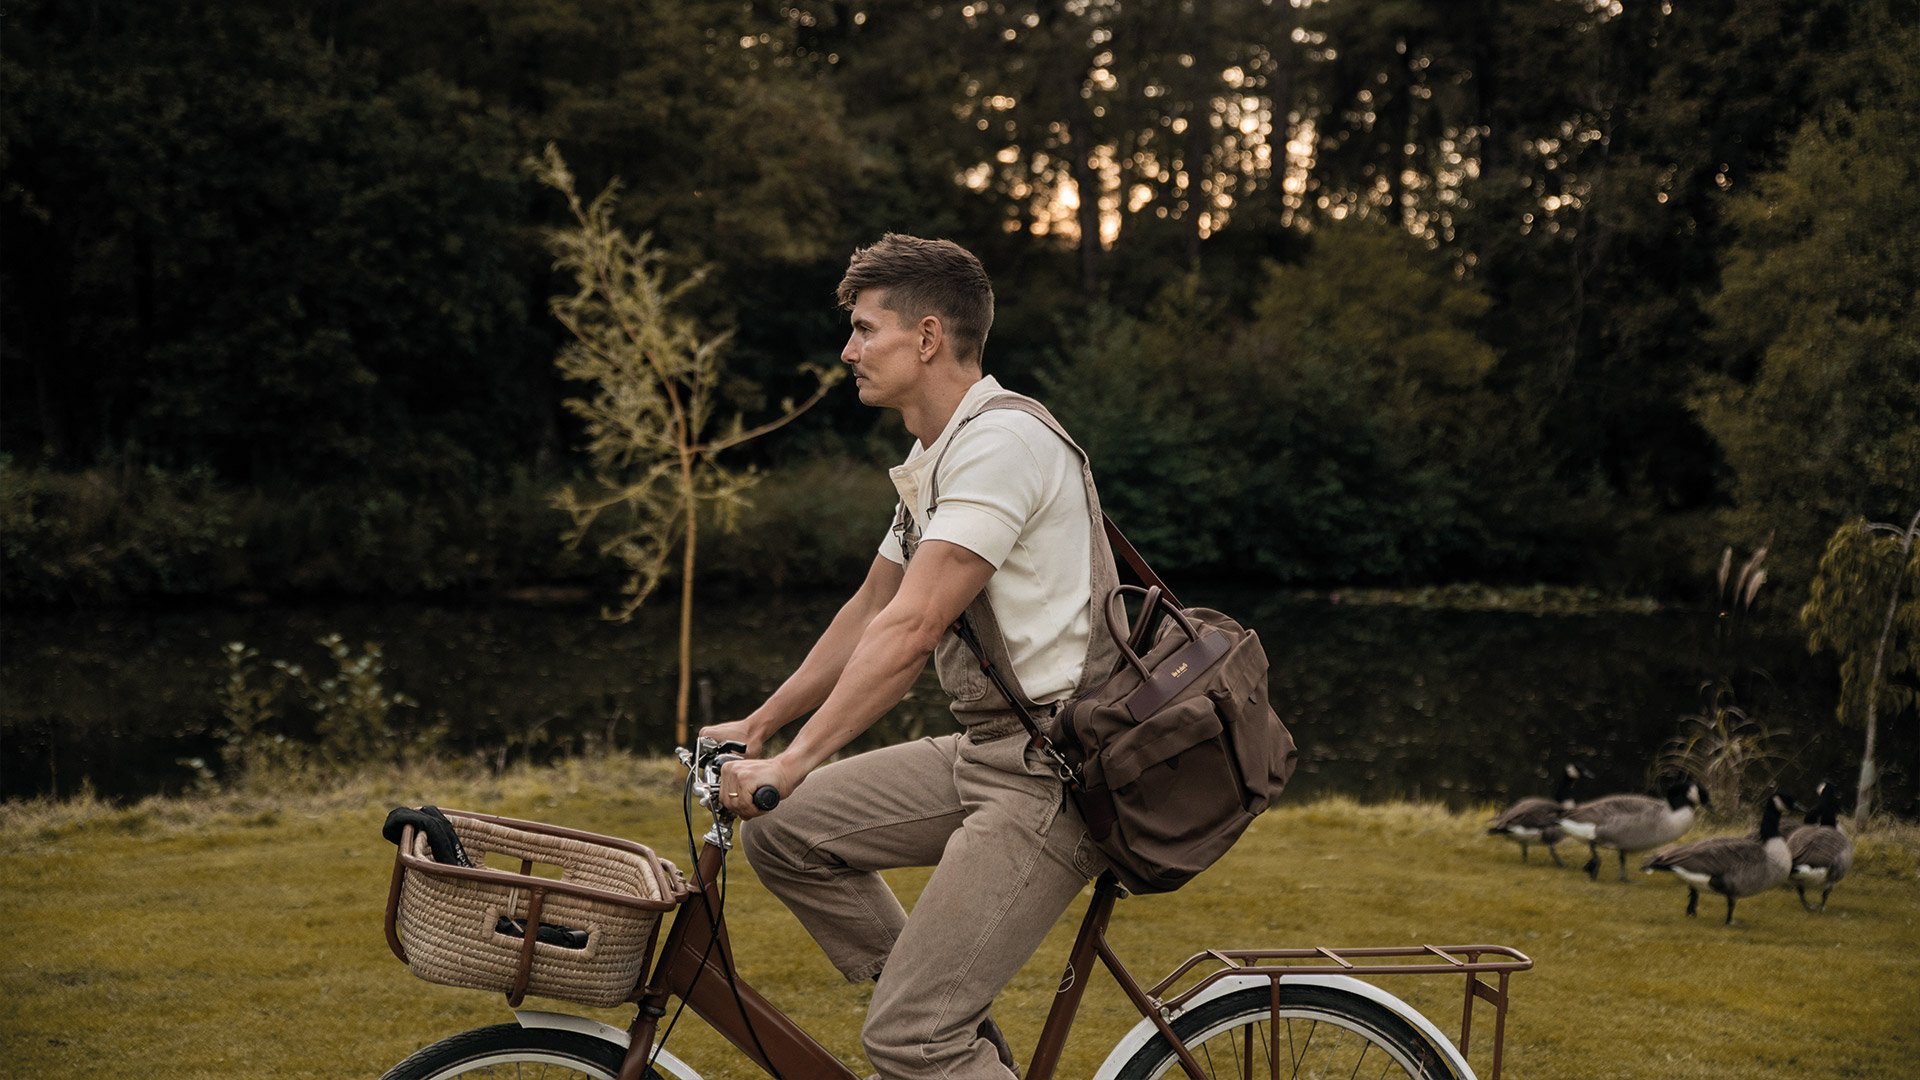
{"type": "Point", "coordinates": [1385, 701]}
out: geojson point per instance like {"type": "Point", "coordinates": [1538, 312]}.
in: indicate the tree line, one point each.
{"type": "Point", "coordinates": [1334, 290]}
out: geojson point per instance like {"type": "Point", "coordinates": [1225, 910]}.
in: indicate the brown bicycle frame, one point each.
{"type": "Point", "coordinates": [695, 965]}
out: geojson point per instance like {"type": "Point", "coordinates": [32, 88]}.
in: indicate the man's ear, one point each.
{"type": "Point", "coordinates": [932, 334]}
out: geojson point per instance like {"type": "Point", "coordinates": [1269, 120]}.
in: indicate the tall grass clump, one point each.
{"type": "Point", "coordinates": [1731, 752]}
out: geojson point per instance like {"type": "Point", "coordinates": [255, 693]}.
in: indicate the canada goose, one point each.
{"type": "Point", "coordinates": [1534, 820]}
{"type": "Point", "coordinates": [1820, 853]}
{"type": "Point", "coordinates": [1813, 813]}
{"type": "Point", "coordinates": [1733, 866]}
{"type": "Point", "coordinates": [1633, 822]}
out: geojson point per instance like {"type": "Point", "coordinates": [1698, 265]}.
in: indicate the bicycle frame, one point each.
{"type": "Point", "coordinates": [694, 965]}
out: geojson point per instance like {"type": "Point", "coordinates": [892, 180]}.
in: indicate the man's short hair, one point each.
{"type": "Point", "coordinates": [927, 277]}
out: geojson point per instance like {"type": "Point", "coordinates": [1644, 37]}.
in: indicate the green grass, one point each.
{"type": "Point", "coordinates": [240, 936]}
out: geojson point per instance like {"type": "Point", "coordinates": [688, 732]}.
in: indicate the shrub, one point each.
{"type": "Point", "coordinates": [814, 524]}
{"type": "Point", "coordinates": [353, 716]}
{"type": "Point", "coordinates": [114, 532]}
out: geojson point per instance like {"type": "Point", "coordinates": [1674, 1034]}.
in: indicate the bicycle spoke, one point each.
{"type": "Point", "coordinates": [1306, 1046]}
{"type": "Point", "coordinates": [1337, 1039]}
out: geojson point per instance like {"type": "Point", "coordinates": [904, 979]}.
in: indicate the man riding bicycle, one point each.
{"type": "Point", "coordinates": [998, 519]}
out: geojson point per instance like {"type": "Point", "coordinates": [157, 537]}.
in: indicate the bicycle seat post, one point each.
{"type": "Point", "coordinates": [1087, 946]}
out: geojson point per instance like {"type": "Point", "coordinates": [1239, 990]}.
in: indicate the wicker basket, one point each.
{"type": "Point", "coordinates": [444, 921]}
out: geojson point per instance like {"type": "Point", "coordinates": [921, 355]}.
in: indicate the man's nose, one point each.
{"type": "Point", "coordinates": [849, 354]}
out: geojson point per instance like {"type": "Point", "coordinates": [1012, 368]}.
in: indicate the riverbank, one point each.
{"type": "Point", "coordinates": [239, 936]}
{"type": "Point", "coordinates": [1467, 698]}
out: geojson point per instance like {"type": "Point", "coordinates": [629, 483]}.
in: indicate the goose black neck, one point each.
{"type": "Point", "coordinates": [1563, 789]}
{"type": "Point", "coordinates": [1827, 811]}
{"type": "Point", "coordinates": [1770, 820]}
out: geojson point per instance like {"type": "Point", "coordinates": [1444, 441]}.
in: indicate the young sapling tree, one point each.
{"type": "Point", "coordinates": [649, 417]}
{"type": "Point", "coordinates": [1857, 609]}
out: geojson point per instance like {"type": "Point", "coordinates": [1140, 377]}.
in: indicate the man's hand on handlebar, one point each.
{"type": "Point", "coordinates": [741, 778]}
{"type": "Point", "coordinates": [734, 731]}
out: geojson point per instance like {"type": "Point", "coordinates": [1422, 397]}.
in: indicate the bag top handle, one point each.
{"type": "Point", "coordinates": [1154, 604]}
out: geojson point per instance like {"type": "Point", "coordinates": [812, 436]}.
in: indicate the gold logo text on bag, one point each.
{"type": "Point", "coordinates": [1177, 672]}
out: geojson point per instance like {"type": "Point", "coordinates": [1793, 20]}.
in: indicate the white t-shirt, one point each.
{"type": "Point", "coordinates": [1011, 492]}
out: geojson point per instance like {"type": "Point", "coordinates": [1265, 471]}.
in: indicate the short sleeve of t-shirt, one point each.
{"type": "Point", "coordinates": [991, 484]}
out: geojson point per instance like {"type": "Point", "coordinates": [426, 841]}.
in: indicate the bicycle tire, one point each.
{"type": "Point", "coordinates": [1339, 1032]}
{"type": "Point", "coordinates": [506, 1050]}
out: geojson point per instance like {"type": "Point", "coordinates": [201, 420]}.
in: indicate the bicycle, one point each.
{"type": "Point", "coordinates": [1299, 1012]}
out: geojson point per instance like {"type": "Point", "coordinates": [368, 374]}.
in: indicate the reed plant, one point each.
{"type": "Point", "coordinates": [1726, 746]}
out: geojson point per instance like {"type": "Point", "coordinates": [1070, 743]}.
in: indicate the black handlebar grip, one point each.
{"type": "Point", "coordinates": [766, 797]}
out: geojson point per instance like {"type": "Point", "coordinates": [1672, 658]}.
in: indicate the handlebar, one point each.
{"type": "Point", "coordinates": [705, 761]}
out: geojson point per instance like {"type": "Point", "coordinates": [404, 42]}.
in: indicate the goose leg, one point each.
{"type": "Point", "coordinates": [1729, 921]}
{"type": "Point", "coordinates": [1623, 863]}
{"type": "Point", "coordinates": [1802, 890]}
{"type": "Point", "coordinates": [1824, 893]}
{"type": "Point", "coordinates": [1555, 852]}
{"type": "Point", "coordinates": [1693, 902]}
{"type": "Point", "coordinates": [1593, 862]}
{"type": "Point", "coordinates": [1523, 853]}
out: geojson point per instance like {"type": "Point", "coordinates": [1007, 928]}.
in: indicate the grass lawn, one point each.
{"type": "Point", "coordinates": [240, 936]}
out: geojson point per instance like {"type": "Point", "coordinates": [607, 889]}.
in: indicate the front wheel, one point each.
{"type": "Point", "coordinates": [1321, 1032]}
{"type": "Point", "coordinates": [509, 1050]}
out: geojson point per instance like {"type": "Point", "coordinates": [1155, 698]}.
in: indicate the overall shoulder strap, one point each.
{"type": "Point", "coordinates": [1018, 403]}
{"type": "Point", "coordinates": [1022, 403]}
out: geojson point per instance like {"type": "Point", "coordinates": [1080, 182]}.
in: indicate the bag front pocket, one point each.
{"type": "Point", "coordinates": [1158, 740]}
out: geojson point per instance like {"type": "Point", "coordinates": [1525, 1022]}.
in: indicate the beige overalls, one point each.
{"type": "Point", "coordinates": [985, 810]}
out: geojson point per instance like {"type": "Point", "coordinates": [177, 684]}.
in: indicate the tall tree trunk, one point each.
{"type": "Point", "coordinates": [692, 509]}
{"type": "Point", "coordinates": [1066, 69]}
{"type": "Point", "coordinates": [1869, 774]}
{"type": "Point", "coordinates": [1197, 141]}
{"type": "Point", "coordinates": [1397, 118]}
{"type": "Point", "coordinates": [1486, 93]}
{"type": "Point", "coordinates": [1286, 66]}
{"type": "Point", "coordinates": [1087, 181]}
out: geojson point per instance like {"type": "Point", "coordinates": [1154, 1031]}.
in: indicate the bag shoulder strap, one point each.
{"type": "Point", "coordinates": [1115, 538]}
{"type": "Point", "coordinates": [1134, 561]}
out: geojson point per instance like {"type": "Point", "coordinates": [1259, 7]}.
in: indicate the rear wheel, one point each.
{"type": "Point", "coordinates": [523, 1053]}
{"type": "Point", "coordinates": [1321, 1032]}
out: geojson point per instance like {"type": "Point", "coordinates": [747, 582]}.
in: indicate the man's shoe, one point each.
{"type": "Point", "coordinates": [990, 1031]}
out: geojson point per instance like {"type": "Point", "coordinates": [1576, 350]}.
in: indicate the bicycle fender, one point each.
{"type": "Point", "coordinates": [1144, 1031]}
{"type": "Point", "coordinates": [664, 1063]}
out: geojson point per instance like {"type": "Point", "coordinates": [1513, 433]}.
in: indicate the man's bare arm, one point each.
{"type": "Point", "coordinates": [813, 680]}
{"type": "Point", "coordinates": [893, 649]}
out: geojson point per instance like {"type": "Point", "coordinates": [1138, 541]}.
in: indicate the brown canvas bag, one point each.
{"type": "Point", "coordinates": [1171, 755]}
{"type": "Point", "coordinates": [1174, 754]}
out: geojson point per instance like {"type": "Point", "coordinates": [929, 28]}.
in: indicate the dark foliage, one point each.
{"type": "Point", "coordinates": [282, 253]}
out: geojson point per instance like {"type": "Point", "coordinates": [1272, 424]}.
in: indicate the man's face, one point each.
{"type": "Point", "coordinates": [883, 350]}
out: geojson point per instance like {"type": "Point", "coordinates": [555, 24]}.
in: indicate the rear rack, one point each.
{"type": "Point", "coordinates": [1467, 961]}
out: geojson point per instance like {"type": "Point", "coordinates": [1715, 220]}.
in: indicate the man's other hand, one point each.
{"type": "Point", "coordinates": [734, 731]}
